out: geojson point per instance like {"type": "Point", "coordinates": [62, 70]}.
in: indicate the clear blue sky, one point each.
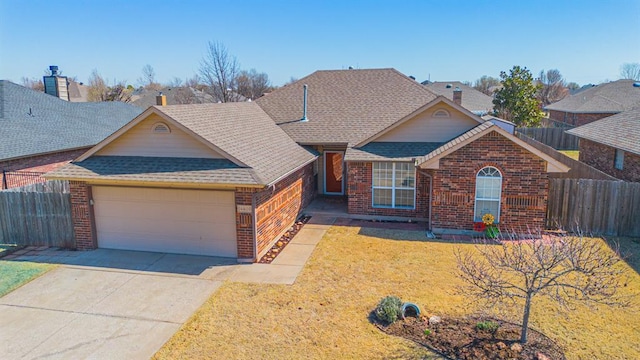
{"type": "Point", "coordinates": [586, 40]}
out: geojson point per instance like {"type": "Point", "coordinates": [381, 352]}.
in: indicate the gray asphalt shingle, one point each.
{"type": "Point", "coordinates": [390, 151]}
{"type": "Point", "coordinates": [32, 122]}
{"type": "Point", "coordinates": [472, 99]}
{"type": "Point", "coordinates": [611, 97]}
{"type": "Point", "coordinates": [621, 131]}
{"type": "Point", "coordinates": [345, 106]}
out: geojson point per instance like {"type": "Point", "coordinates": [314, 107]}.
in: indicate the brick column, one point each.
{"type": "Point", "coordinates": [244, 225]}
{"type": "Point", "coordinates": [82, 216]}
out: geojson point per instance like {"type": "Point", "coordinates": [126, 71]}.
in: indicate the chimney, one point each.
{"type": "Point", "coordinates": [457, 96]}
{"type": "Point", "coordinates": [161, 100]}
{"type": "Point", "coordinates": [55, 84]}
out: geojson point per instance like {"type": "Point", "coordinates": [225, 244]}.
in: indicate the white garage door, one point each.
{"type": "Point", "coordinates": [166, 220]}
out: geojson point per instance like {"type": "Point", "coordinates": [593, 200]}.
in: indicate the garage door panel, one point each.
{"type": "Point", "coordinates": [166, 220]}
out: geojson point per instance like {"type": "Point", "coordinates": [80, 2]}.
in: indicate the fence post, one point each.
{"type": "Point", "coordinates": [4, 179]}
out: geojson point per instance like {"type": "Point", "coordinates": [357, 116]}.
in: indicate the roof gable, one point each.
{"type": "Point", "coordinates": [344, 106]}
{"type": "Point", "coordinates": [432, 160]}
{"type": "Point", "coordinates": [239, 132]}
{"type": "Point", "coordinates": [158, 137]}
{"type": "Point", "coordinates": [426, 124]}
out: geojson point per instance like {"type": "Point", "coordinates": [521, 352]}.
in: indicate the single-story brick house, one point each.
{"type": "Point", "coordinates": [41, 132]}
{"type": "Point", "coordinates": [229, 179]}
{"type": "Point", "coordinates": [612, 145]}
{"type": "Point", "coordinates": [595, 103]}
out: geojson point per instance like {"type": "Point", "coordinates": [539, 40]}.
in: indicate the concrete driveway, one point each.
{"type": "Point", "coordinates": [106, 304]}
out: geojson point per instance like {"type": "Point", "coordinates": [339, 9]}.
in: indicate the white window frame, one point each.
{"type": "Point", "coordinates": [393, 187]}
{"type": "Point", "coordinates": [476, 198]}
{"type": "Point", "coordinates": [618, 162]}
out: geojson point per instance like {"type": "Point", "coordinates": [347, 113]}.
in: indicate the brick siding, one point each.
{"type": "Point", "coordinates": [602, 157]}
{"type": "Point", "coordinates": [359, 194]}
{"type": "Point", "coordinates": [576, 119]}
{"type": "Point", "coordinates": [40, 163]}
{"type": "Point", "coordinates": [82, 216]}
{"type": "Point", "coordinates": [276, 209]}
{"type": "Point", "coordinates": [524, 186]}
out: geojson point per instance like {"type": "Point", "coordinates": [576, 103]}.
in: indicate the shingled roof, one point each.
{"type": "Point", "coordinates": [611, 97]}
{"type": "Point", "coordinates": [345, 106]}
{"type": "Point", "coordinates": [473, 100]}
{"type": "Point", "coordinates": [33, 122]}
{"type": "Point", "coordinates": [259, 152]}
{"type": "Point", "coordinates": [621, 131]}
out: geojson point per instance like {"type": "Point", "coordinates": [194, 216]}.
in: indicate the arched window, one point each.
{"type": "Point", "coordinates": [441, 113]}
{"type": "Point", "coordinates": [488, 192]}
{"type": "Point", "coordinates": [161, 128]}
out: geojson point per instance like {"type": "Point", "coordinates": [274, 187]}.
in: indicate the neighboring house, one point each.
{"type": "Point", "coordinates": [41, 132]}
{"type": "Point", "coordinates": [595, 103]}
{"type": "Point", "coordinates": [229, 179]}
{"type": "Point", "coordinates": [471, 99]}
{"type": "Point", "coordinates": [612, 145]}
{"type": "Point", "coordinates": [78, 92]}
{"type": "Point", "coordinates": [174, 95]}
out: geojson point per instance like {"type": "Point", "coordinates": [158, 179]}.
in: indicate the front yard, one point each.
{"type": "Point", "coordinates": [14, 274]}
{"type": "Point", "coordinates": [324, 314]}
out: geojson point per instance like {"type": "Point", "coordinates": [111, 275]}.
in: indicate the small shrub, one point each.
{"type": "Point", "coordinates": [427, 332]}
{"type": "Point", "coordinates": [389, 309]}
{"type": "Point", "coordinates": [490, 326]}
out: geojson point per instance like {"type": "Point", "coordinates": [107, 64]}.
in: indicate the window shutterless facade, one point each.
{"type": "Point", "coordinates": [488, 193]}
{"type": "Point", "coordinates": [394, 185]}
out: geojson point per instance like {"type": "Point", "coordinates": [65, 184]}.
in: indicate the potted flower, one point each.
{"type": "Point", "coordinates": [491, 230]}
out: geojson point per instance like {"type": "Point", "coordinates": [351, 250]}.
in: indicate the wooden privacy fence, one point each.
{"type": "Point", "coordinates": [38, 214]}
{"type": "Point", "coordinates": [603, 207]}
{"type": "Point", "coordinates": [554, 137]}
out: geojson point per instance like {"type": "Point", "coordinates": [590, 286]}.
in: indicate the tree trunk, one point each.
{"type": "Point", "coordinates": [525, 320]}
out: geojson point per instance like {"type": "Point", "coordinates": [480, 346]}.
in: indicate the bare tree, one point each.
{"type": "Point", "coordinates": [485, 83]}
{"type": "Point", "coordinates": [564, 269]}
{"type": "Point", "coordinates": [252, 84]}
{"type": "Point", "coordinates": [35, 84]}
{"type": "Point", "coordinates": [148, 79]}
{"type": "Point", "coordinates": [553, 87]}
{"type": "Point", "coordinates": [219, 71]}
{"type": "Point", "coordinates": [175, 82]}
{"type": "Point", "coordinates": [100, 90]}
{"type": "Point", "coordinates": [630, 71]}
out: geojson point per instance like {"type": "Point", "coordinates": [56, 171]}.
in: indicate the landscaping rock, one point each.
{"type": "Point", "coordinates": [516, 347]}
{"type": "Point", "coordinates": [434, 320]}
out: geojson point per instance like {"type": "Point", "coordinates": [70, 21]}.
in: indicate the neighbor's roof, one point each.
{"type": "Point", "coordinates": [345, 106]}
{"type": "Point", "coordinates": [473, 100]}
{"type": "Point", "coordinates": [33, 122]}
{"type": "Point", "coordinates": [612, 97]}
{"type": "Point", "coordinates": [241, 131]}
{"type": "Point", "coordinates": [175, 95]}
{"type": "Point", "coordinates": [621, 131]}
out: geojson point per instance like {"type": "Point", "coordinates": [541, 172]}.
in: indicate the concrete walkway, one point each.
{"type": "Point", "coordinates": [114, 304]}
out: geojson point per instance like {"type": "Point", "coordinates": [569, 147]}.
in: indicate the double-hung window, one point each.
{"type": "Point", "coordinates": [394, 185]}
{"type": "Point", "coordinates": [619, 160]}
{"type": "Point", "coordinates": [488, 193]}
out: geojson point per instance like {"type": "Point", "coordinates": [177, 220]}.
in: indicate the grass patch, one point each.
{"type": "Point", "coordinates": [14, 274]}
{"type": "Point", "coordinates": [574, 154]}
{"type": "Point", "coordinates": [324, 314]}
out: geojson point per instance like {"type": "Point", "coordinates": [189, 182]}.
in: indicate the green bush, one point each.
{"type": "Point", "coordinates": [427, 332]}
{"type": "Point", "coordinates": [490, 326]}
{"type": "Point", "coordinates": [389, 309]}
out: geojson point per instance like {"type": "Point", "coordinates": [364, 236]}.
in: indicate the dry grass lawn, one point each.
{"type": "Point", "coordinates": [324, 314]}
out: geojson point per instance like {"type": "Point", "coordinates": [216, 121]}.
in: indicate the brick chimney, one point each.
{"type": "Point", "coordinates": [457, 96]}
{"type": "Point", "coordinates": [161, 100]}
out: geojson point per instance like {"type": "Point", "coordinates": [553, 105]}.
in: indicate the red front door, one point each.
{"type": "Point", "coordinates": [333, 170]}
